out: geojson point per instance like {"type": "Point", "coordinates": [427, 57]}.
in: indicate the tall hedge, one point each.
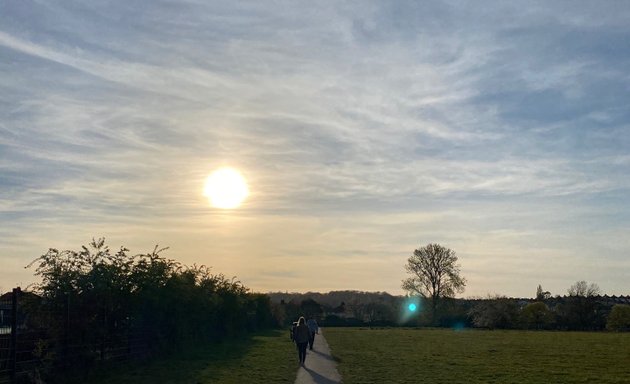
{"type": "Point", "coordinates": [103, 296]}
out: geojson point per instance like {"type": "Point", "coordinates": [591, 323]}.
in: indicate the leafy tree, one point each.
{"type": "Point", "coordinates": [434, 274]}
{"type": "Point", "coordinates": [495, 312]}
{"type": "Point", "coordinates": [619, 318]}
{"type": "Point", "coordinates": [536, 316]}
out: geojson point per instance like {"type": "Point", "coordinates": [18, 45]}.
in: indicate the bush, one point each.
{"type": "Point", "coordinates": [619, 318]}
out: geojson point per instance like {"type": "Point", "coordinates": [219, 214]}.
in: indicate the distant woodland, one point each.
{"type": "Point", "coordinates": [355, 308]}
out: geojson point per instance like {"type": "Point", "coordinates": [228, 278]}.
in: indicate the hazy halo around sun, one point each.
{"type": "Point", "coordinates": [225, 188]}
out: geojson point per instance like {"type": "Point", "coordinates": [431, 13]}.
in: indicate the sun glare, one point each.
{"type": "Point", "coordinates": [226, 188]}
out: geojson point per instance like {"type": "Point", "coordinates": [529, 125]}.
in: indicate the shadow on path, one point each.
{"type": "Point", "coordinates": [320, 367]}
{"type": "Point", "coordinates": [326, 356]}
{"type": "Point", "coordinates": [319, 379]}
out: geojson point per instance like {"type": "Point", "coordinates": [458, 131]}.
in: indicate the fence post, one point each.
{"type": "Point", "coordinates": [66, 331]}
{"type": "Point", "coordinates": [14, 330]}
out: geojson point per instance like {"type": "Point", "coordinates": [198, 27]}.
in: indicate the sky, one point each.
{"type": "Point", "coordinates": [364, 129]}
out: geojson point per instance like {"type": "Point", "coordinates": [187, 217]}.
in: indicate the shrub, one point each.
{"type": "Point", "coordinates": [619, 318]}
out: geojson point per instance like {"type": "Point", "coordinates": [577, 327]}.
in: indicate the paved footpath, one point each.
{"type": "Point", "coordinates": [319, 368]}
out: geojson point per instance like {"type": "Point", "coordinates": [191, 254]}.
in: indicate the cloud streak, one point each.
{"type": "Point", "coordinates": [365, 130]}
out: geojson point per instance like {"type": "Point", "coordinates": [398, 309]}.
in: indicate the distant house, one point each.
{"type": "Point", "coordinates": [6, 309]}
{"type": "Point", "coordinates": [5, 320]}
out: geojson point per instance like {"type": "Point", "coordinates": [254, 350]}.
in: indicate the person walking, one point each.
{"type": "Point", "coordinates": [292, 331]}
{"type": "Point", "coordinates": [314, 329]}
{"type": "Point", "coordinates": [301, 337]}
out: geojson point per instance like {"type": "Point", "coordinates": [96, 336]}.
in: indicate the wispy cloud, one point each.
{"type": "Point", "coordinates": [364, 129]}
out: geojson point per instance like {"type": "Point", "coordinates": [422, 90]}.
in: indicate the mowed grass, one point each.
{"type": "Point", "coordinates": [478, 356]}
{"type": "Point", "coordinates": [268, 357]}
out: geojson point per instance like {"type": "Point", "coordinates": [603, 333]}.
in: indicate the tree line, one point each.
{"type": "Point", "coordinates": [435, 278]}
{"type": "Point", "coordinates": [355, 308]}
{"type": "Point", "coordinates": [121, 293]}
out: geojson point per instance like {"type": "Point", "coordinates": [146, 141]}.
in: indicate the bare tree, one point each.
{"type": "Point", "coordinates": [434, 274]}
{"type": "Point", "coordinates": [583, 289]}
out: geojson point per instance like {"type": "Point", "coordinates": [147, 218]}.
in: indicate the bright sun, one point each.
{"type": "Point", "coordinates": [225, 188]}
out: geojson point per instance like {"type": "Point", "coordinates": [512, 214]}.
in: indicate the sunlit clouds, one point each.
{"type": "Point", "coordinates": [364, 130]}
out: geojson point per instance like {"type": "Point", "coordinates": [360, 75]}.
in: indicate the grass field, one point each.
{"type": "Point", "coordinates": [476, 356]}
{"type": "Point", "coordinates": [268, 357]}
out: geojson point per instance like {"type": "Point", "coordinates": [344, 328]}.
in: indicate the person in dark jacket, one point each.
{"type": "Point", "coordinates": [301, 336]}
{"type": "Point", "coordinates": [314, 328]}
{"type": "Point", "coordinates": [292, 331]}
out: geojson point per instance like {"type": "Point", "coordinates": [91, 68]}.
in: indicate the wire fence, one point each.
{"type": "Point", "coordinates": [38, 340]}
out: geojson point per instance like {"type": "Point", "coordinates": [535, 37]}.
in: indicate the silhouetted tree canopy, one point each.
{"type": "Point", "coordinates": [104, 296]}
